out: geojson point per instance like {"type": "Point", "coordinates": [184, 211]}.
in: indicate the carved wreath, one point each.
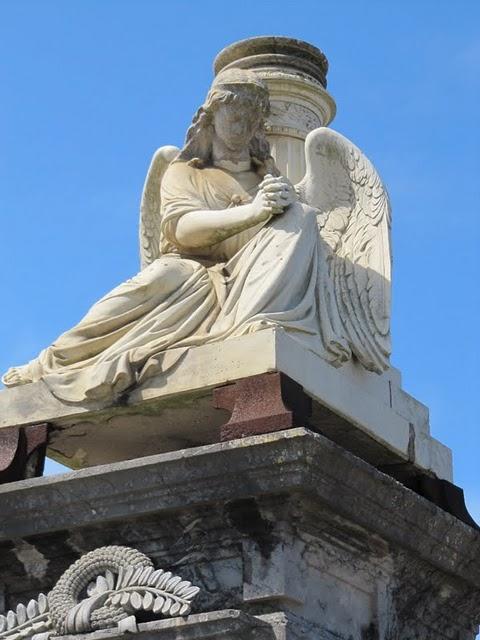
{"type": "Point", "coordinates": [104, 588]}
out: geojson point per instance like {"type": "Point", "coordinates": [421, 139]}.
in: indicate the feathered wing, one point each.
{"type": "Point", "coordinates": [150, 218]}
{"type": "Point", "coordinates": [354, 220]}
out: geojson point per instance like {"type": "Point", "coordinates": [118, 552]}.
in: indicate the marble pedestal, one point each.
{"type": "Point", "coordinates": [287, 534]}
{"type": "Point", "coordinates": [366, 413]}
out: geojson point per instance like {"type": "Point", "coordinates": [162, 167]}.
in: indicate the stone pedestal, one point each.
{"type": "Point", "coordinates": [367, 414]}
{"type": "Point", "coordinates": [287, 534]}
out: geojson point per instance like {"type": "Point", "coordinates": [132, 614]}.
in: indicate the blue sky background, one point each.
{"type": "Point", "coordinates": [89, 89]}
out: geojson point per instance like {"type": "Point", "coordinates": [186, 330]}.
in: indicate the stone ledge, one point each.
{"type": "Point", "coordinates": [293, 461]}
{"type": "Point", "coordinates": [229, 624]}
{"type": "Point", "coordinates": [174, 410]}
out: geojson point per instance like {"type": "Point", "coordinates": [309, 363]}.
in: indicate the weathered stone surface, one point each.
{"type": "Point", "coordinates": [364, 412]}
{"type": "Point", "coordinates": [285, 522]}
{"type": "Point", "coordinates": [229, 624]}
{"type": "Point", "coordinates": [263, 51]}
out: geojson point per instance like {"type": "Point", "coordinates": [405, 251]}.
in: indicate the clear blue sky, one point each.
{"type": "Point", "coordinates": [89, 89]}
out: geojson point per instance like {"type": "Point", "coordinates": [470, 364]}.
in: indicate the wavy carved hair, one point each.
{"type": "Point", "coordinates": [197, 150]}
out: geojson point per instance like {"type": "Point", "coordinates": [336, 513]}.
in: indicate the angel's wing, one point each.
{"type": "Point", "coordinates": [354, 220]}
{"type": "Point", "coordinates": [150, 205]}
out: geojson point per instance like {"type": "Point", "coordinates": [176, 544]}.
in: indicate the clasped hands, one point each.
{"type": "Point", "coordinates": [275, 194]}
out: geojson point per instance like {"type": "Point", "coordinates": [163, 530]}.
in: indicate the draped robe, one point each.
{"type": "Point", "coordinates": [272, 275]}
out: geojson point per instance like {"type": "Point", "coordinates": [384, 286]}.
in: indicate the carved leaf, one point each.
{"type": "Point", "coordinates": [148, 601]}
{"type": "Point", "coordinates": [172, 583]}
{"type": "Point", "coordinates": [134, 580]}
{"type": "Point", "coordinates": [164, 579]}
{"type": "Point", "coordinates": [11, 620]}
{"type": "Point", "coordinates": [120, 577]}
{"type": "Point", "coordinates": [156, 577]}
{"type": "Point", "coordinates": [42, 603]}
{"type": "Point", "coordinates": [190, 593]}
{"type": "Point", "coordinates": [127, 576]}
{"type": "Point", "coordinates": [157, 607]}
{"type": "Point", "coordinates": [32, 609]}
{"type": "Point", "coordinates": [183, 584]}
{"type": "Point", "coordinates": [101, 585]}
{"type": "Point", "coordinates": [145, 575]}
{"type": "Point", "coordinates": [21, 613]}
{"type": "Point", "coordinates": [110, 578]}
{"type": "Point", "coordinates": [116, 599]}
{"type": "Point", "coordinates": [136, 600]}
{"type": "Point", "coordinates": [78, 618]}
{"type": "Point", "coordinates": [166, 606]}
{"type": "Point", "coordinates": [24, 622]}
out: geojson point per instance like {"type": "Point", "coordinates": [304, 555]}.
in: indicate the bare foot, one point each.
{"type": "Point", "coordinates": [16, 376]}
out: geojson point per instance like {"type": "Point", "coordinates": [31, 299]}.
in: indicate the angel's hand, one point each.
{"type": "Point", "coordinates": [265, 205]}
{"type": "Point", "coordinates": [280, 189]}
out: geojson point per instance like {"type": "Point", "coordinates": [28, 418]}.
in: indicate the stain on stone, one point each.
{"type": "Point", "coordinates": [370, 632]}
{"type": "Point", "coordinates": [33, 561]}
{"type": "Point", "coordinates": [245, 516]}
{"type": "Point", "coordinates": [77, 543]}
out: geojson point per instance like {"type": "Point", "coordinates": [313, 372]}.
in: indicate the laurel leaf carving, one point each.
{"type": "Point", "coordinates": [128, 589]}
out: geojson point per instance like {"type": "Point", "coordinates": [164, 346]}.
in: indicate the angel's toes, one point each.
{"type": "Point", "coordinates": [15, 376]}
{"type": "Point", "coordinates": [10, 376]}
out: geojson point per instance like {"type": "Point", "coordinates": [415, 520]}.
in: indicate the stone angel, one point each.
{"type": "Point", "coordinates": [230, 247]}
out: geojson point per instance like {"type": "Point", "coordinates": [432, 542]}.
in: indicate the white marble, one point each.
{"type": "Point", "coordinates": [363, 398]}
{"type": "Point", "coordinates": [230, 247]}
{"type": "Point", "coordinates": [242, 273]}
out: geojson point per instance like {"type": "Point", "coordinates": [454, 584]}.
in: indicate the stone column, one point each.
{"type": "Point", "coordinates": [295, 73]}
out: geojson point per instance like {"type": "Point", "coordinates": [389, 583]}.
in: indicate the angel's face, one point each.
{"type": "Point", "coordinates": [236, 123]}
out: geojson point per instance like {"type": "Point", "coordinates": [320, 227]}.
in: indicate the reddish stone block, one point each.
{"type": "Point", "coordinates": [261, 404]}
{"type": "Point", "coordinates": [22, 452]}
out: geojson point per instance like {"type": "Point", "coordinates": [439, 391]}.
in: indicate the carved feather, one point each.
{"type": "Point", "coordinates": [354, 220]}
{"type": "Point", "coordinates": [150, 217]}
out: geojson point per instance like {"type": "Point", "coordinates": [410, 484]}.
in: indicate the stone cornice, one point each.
{"type": "Point", "coordinates": [294, 461]}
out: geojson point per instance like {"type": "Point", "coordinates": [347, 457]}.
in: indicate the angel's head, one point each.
{"type": "Point", "coordinates": [235, 111]}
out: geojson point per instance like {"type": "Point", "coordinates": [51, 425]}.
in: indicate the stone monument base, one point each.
{"type": "Point", "coordinates": [190, 403]}
{"type": "Point", "coordinates": [287, 534]}
{"type": "Point", "coordinates": [228, 624]}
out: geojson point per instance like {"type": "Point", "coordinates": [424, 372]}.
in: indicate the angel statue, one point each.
{"type": "Point", "coordinates": [230, 247]}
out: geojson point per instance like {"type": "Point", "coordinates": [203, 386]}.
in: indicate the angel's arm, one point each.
{"type": "Point", "coordinates": [207, 227]}
{"type": "Point", "coordinates": [204, 228]}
